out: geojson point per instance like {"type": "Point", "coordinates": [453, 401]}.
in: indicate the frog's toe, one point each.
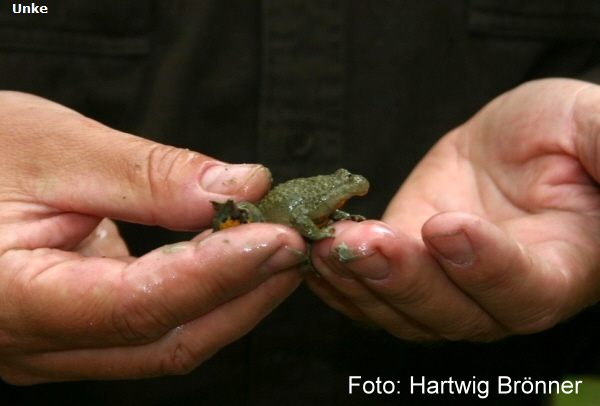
{"type": "Point", "coordinates": [328, 232]}
{"type": "Point", "coordinates": [357, 217]}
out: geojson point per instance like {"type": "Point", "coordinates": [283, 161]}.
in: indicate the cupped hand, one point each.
{"type": "Point", "coordinates": [75, 305]}
{"type": "Point", "coordinates": [496, 231]}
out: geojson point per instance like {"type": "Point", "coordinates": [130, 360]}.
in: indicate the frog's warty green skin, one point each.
{"type": "Point", "coordinates": [309, 205]}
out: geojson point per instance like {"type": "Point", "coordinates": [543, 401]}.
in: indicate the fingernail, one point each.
{"type": "Point", "coordinates": [228, 179]}
{"type": "Point", "coordinates": [357, 262]}
{"type": "Point", "coordinates": [374, 267]}
{"type": "Point", "coordinates": [282, 259]}
{"type": "Point", "coordinates": [454, 246]}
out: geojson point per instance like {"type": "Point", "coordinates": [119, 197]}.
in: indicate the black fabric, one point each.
{"type": "Point", "coordinates": [537, 18]}
{"type": "Point", "coordinates": [305, 87]}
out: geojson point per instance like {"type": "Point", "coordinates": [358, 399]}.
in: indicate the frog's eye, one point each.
{"type": "Point", "coordinates": [342, 172]}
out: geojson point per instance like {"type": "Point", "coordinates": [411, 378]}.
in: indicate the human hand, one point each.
{"type": "Point", "coordinates": [495, 232]}
{"type": "Point", "coordinates": [75, 305]}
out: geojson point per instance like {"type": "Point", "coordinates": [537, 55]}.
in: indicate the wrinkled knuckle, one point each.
{"type": "Point", "coordinates": [217, 290]}
{"type": "Point", "coordinates": [162, 164]}
{"type": "Point", "coordinates": [473, 326]}
{"type": "Point", "coordinates": [410, 295]}
{"type": "Point", "coordinates": [153, 172]}
{"type": "Point", "coordinates": [179, 360]}
{"type": "Point", "coordinates": [137, 326]}
{"type": "Point", "coordinates": [365, 302]}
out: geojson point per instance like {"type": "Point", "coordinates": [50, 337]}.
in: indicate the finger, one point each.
{"type": "Point", "coordinates": [334, 298]}
{"type": "Point", "coordinates": [357, 301]}
{"type": "Point", "coordinates": [102, 301]}
{"type": "Point", "coordinates": [104, 241]}
{"type": "Point", "coordinates": [27, 227]}
{"type": "Point", "coordinates": [76, 164]}
{"type": "Point", "coordinates": [393, 279]}
{"type": "Point", "coordinates": [585, 144]}
{"type": "Point", "coordinates": [178, 352]}
{"type": "Point", "coordinates": [524, 292]}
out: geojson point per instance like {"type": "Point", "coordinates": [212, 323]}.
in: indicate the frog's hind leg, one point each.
{"type": "Point", "coordinates": [307, 227]}
{"type": "Point", "coordinates": [307, 265]}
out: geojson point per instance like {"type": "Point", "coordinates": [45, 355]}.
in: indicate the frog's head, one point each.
{"type": "Point", "coordinates": [350, 184]}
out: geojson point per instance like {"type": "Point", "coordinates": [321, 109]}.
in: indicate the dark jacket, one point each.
{"type": "Point", "coordinates": [306, 87]}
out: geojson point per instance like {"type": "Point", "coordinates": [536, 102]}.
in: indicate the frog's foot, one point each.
{"type": "Point", "coordinates": [319, 234]}
{"type": "Point", "coordinates": [342, 215]}
{"type": "Point", "coordinates": [346, 254]}
{"type": "Point", "coordinates": [306, 265]}
{"type": "Point", "coordinates": [357, 217]}
{"type": "Point", "coordinates": [328, 232]}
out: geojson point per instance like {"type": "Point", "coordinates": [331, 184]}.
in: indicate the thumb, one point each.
{"type": "Point", "coordinates": [75, 164]}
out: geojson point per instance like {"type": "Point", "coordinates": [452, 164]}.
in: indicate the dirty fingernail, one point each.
{"type": "Point", "coordinates": [228, 179]}
{"type": "Point", "coordinates": [367, 264]}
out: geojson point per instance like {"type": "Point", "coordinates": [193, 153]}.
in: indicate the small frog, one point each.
{"type": "Point", "coordinates": [309, 205]}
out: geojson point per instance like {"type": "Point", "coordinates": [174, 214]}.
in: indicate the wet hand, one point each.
{"type": "Point", "coordinates": [496, 231]}
{"type": "Point", "coordinates": [75, 305]}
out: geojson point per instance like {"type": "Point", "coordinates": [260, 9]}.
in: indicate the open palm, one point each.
{"type": "Point", "coordinates": [495, 232]}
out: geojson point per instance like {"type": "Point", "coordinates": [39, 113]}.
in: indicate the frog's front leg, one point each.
{"type": "Point", "coordinates": [342, 215]}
